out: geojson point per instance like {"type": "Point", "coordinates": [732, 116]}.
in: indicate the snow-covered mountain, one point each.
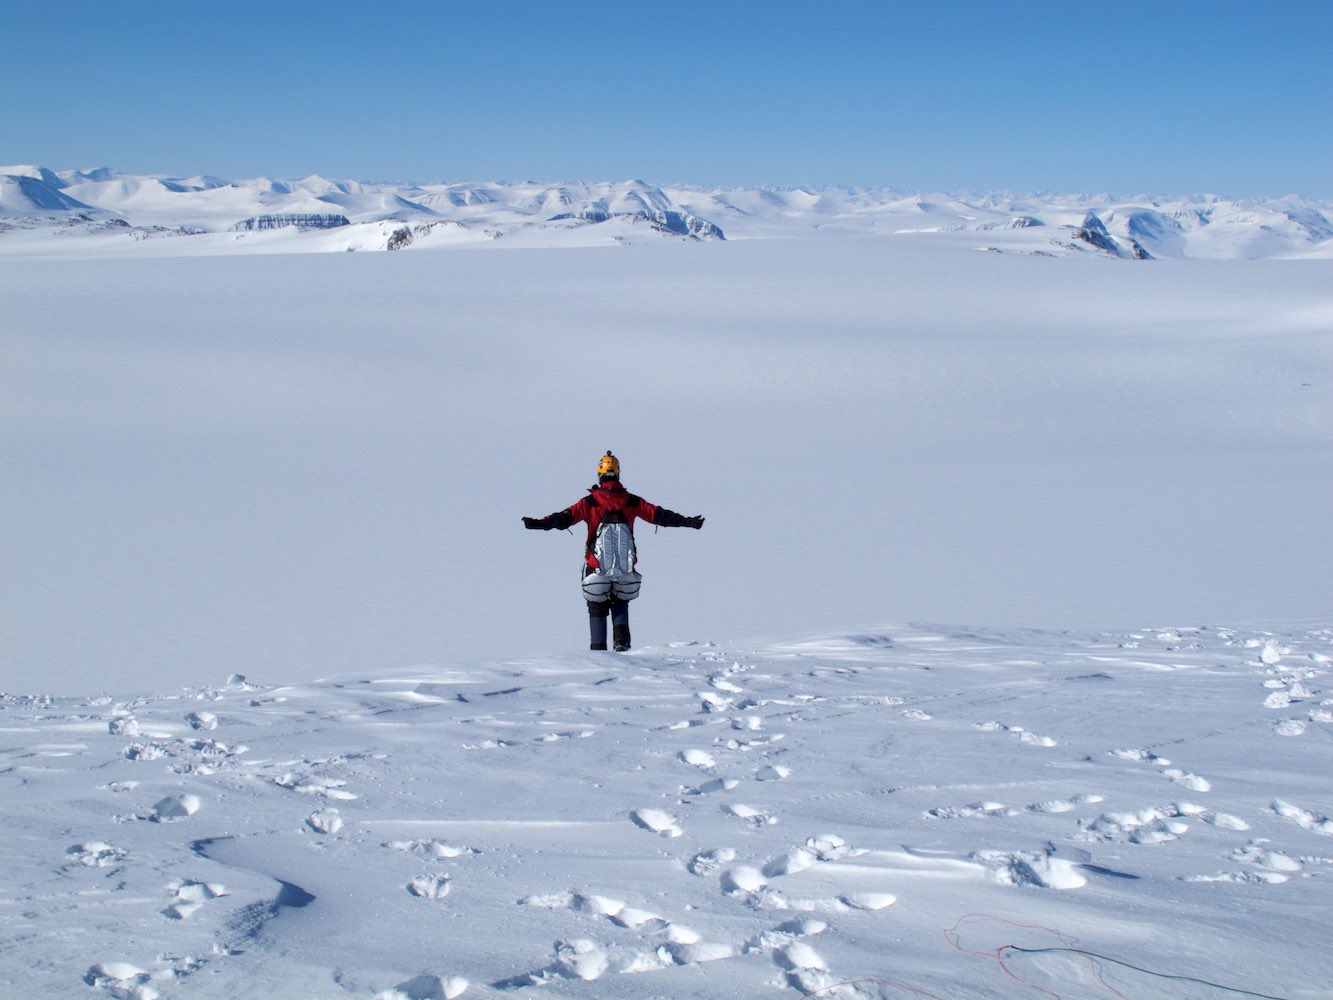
{"type": "Point", "coordinates": [105, 203]}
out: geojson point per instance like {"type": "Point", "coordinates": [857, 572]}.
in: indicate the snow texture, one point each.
{"type": "Point", "coordinates": [478, 856]}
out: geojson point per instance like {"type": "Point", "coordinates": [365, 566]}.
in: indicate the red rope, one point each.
{"type": "Point", "coordinates": [953, 936]}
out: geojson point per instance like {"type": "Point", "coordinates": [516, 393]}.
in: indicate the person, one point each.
{"type": "Point", "coordinates": [610, 580]}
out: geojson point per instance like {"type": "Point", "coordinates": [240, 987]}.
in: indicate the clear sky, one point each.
{"type": "Point", "coordinates": [1126, 97]}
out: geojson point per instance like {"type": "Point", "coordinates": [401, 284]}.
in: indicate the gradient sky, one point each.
{"type": "Point", "coordinates": [1171, 97]}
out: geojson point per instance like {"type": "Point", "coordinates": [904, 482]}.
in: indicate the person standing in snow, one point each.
{"type": "Point", "coordinates": [610, 580]}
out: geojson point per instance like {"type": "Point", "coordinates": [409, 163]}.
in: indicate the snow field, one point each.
{"type": "Point", "coordinates": [591, 819]}
{"type": "Point", "coordinates": [315, 464]}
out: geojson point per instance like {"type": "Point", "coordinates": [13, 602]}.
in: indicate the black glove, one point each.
{"type": "Point", "coordinates": [693, 522]}
{"type": "Point", "coordinates": [535, 523]}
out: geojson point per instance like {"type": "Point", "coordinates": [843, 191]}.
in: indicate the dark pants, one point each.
{"type": "Point", "coordinates": [618, 613]}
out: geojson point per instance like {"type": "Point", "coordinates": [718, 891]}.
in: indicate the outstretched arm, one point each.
{"type": "Point", "coordinates": [561, 519]}
{"type": "Point", "coordinates": [670, 519]}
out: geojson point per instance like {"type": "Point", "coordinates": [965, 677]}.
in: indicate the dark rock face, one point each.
{"type": "Point", "coordinates": [676, 223]}
{"type": "Point", "coordinates": [283, 221]}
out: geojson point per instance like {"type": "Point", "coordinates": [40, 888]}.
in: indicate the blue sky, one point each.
{"type": "Point", "coordinates": [1177, 96]}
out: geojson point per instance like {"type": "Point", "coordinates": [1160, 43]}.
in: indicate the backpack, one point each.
{"type": "Point", "coordinates": [615, 576]}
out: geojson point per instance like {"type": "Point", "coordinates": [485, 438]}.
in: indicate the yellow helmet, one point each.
{"type": "Point", "coordinates": [608, 466]}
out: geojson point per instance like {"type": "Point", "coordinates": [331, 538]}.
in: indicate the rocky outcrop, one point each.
{"type": "Point", "coordinates": [282, 221]}
{"type": "Point", "coordinates": [675, 223]}
{"type": "Point", "coordinates": [1093, 232]}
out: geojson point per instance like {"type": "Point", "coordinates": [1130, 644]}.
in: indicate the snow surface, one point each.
{"type": "Point", "coordinates": [298, 465]}
{"type": "Point", "coordinates": [230, 455]}
{"type": "Point", "coordinates": [903, 812]}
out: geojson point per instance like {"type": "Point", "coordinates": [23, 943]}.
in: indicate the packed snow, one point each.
{"type": "Point", "coordinates": [980, 813]}
{"type": "Point", "coordinates": [296, 708]}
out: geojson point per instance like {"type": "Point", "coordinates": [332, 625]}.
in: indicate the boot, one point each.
{"type": "Point", "coordinates": [620, 636]}
{"type": "Point", "coordinates": [597, 626]}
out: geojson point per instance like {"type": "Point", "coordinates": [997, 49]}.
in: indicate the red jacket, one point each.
{"type": "Point", "coordinates": [610, 501]}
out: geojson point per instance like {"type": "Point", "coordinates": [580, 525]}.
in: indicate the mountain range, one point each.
{"type": "Point", "coordinates": [102, 210]}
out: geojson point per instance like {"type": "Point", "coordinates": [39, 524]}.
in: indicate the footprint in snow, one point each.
{"type": "Point", "coordinates": [711, 786]}
{"type": "Point", "coordinates": [1188, 779]}
{"type": "Point", "coordinates": [96, 854]}
{"type": "Point", "coordinates": [755, 884]}
{"type": "Point", "coordinates": [123, 725]}
{"type": "Point", "coordinates": [426, 987]}
{"type": "Point", "coordinates": [202, 720]}
{"type": "Point", "coordinates": [722, 684]}
{"type": "Point", "coordinates": [658, 821]}
{"type": "Point", "coordinates": [1276, 865]}
{"type": "Point", "coordinates": [1252, 877]}
{"type": "Point", "coordinates": [486, 745]}
{"type": "Point", "coordinates": [1223, 821]}
{"type": "Point", "coordinates": [429, 886]}
{"type": "Point", "coordinates": [1142, 757]}
{"type": "Point", "coordinates": [774, 899]}
{"type": "Point", "coordinates": [711, 703]}
{"type": "Point", "coordinates": [1033, 740]}
{"type": "Point", "coordinates": [122, 980]}
{"type": "Point", "coordinates": [615, 910]}
{"type": "Point", "coordinates": [431, 848]}
{"type": "Point", "coordinates": [1064, 805]}
{"type": "Point", "coordinates": [697, 758]}
{"type": "Point", "coordinates": [576, 959]}
{"type": "Point", "coordinates": [1144, 826]}
{"type": "Point", "coordinates": [682, 724]}
{"type": "Point", "coordinates": [708, 862]}
{"type": "Point", "coordinates": [1304, 818]}
{"type": "Point", "coordinates": [175, 807]}
{"type": "Point", "coordinates": [581, 958]}
{"type": "Point", "coordinates": [825, 847]}
{"type": "Point", "coordinates": [188, 896]}
{"type": "Point", "coordinates": [581, 734]}
{"type": "Point", "coordinates": [1036, 868]}
{"type": "Point", "coordinates": [751, 815]}
{"type": "Point", "coordinates": [794, 861]}
{"type": "Point", "coordinates": [1023, 735]}
{"type": "Point", "coordinates": [742, 879]}
{"type": "Point", "coordinates": [326, 821]}
{"type": "Point", "coordinates": [329, 788]}
{"type": "Point", "coordinates": [803, 967]}
{"type": "Point", "coordinates": [969, 811]}
{"type": "Point", "coordinates": [1271, 652]}
{"type": "Point", "coordinates": [754, 744]}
